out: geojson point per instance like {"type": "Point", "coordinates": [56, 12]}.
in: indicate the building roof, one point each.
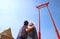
{"type": "Point", "coordinates": [6, 33]}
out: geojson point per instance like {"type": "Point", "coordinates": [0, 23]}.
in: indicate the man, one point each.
{"type": "Point", "coordinates": [23, 34]}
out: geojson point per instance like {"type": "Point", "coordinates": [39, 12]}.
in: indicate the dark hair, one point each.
{"type": "Point", "coordinates": [25, 22]}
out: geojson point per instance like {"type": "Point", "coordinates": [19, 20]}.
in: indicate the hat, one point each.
{"type": "Point", "coordinates": [31, 24]}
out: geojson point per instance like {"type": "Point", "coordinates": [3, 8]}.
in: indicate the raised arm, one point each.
{"type": "Point", "coordinates": [29, 29]}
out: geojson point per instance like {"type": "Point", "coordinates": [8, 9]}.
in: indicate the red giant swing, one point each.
{"type": "Point", "coordinates": [54, 25]}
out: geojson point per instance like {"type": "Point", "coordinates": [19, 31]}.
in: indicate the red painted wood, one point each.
{"type": "Point", "coordinates": [41, 6]}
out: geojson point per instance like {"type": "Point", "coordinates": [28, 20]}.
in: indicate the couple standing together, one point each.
{"type": "Point", "coordinates": [28, 31]}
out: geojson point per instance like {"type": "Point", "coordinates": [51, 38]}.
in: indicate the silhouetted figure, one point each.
{"type": "Point", "coordinates": [32, 33]}
{"type": "Point", "coordinates": [23, 34]}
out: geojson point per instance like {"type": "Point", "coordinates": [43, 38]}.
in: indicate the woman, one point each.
{"type": "Point", "coordinates": [32, 33]}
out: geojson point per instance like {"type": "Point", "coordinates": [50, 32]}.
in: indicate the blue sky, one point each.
{"type": "Point", "coordinates": [14, 12]}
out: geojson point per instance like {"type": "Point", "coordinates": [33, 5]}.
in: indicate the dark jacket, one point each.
{"type": "Point", "coordinates": [23, 32]}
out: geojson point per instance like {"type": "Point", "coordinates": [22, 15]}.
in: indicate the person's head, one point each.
{"type": "Point", "coordinates": [31, 24]}
{"type": "Point", "coordinates": [26, 22]}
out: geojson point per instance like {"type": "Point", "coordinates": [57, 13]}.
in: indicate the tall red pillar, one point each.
{"type": "Point", "coordinates": [57, 33]}
{"type": "Point", "coordinates": [39, 33]}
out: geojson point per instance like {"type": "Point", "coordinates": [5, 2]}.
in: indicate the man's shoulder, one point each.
{"type": "Point", "coordinates": [24, 26]}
